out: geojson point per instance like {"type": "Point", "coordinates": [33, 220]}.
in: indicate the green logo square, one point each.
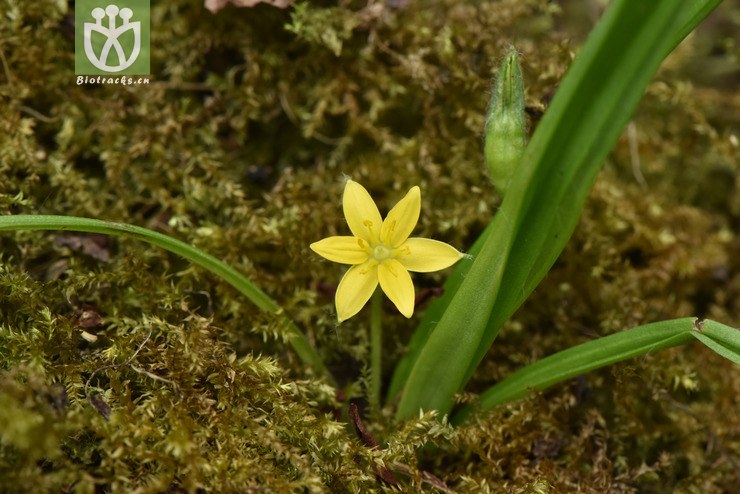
{"type": "Point", "coordinates": [112, 37]}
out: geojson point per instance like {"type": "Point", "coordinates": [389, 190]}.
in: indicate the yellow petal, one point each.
{"type": "Point", "coordinates": [423, 255]}
{"type": "Point", "coordinates": [402, 219]}
{"type": "Point", "coordinates": [355, 289]}
{"type": "Point", "coordinates": [361, 212]}
{"type": "Point", "coordinates": [347, 250]}
{"type": "Point", "coordinates": [396, 283]}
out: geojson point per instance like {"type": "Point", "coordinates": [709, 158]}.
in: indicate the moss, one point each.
{"type": "Point", "coordinates": [239, 146]}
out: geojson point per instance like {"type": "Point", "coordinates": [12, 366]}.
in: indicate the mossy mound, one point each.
{"type": "Point", "coordinates": [124, 369]}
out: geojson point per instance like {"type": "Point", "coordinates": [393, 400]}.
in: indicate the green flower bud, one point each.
{"type": "Point", "coordinates": [505, 126]}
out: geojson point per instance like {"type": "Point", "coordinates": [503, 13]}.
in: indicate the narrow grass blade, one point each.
{"type": "Point", "coordinates": [546, 195]}
{"type": "Point", "coordinates": [722, 339]}
{"type": "Point", "coordinates": [431, 317]}
{"type": "Point", "coordinates": [588, 146]}
{"type": "Point", "coordinates": [604, 351]}
{"type": "Point", "coordinates": [259, 298]}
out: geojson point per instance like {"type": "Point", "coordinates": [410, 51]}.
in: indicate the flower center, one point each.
{"type": "Point", "coordinates": [381, 252]}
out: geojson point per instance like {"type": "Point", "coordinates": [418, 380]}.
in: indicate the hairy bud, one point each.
{"type": "Point", "coordinates": [505, 125]}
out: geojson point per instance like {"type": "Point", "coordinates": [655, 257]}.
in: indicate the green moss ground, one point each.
{"type": "Point", "coordinates": [239, 146]}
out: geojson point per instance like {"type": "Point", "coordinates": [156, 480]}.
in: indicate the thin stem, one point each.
{"type": "Point", "coordinates": [298, 340]}
{"type": "Point", "coordinates": [376, 348]}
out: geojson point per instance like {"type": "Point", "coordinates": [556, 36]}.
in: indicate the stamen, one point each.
{"type": "Point", "coordinates": [392, 271]}
{"type": "Point", "coordinates": [369, 225]}
{"type": "Point", "coordinates": [368, 267]}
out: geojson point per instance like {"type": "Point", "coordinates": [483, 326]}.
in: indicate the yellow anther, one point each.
{"type": "Point", "coordinates": [371, 231]}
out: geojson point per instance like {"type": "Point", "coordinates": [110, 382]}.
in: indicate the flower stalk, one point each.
{"type": "Point", "coordinates": [376, 349]}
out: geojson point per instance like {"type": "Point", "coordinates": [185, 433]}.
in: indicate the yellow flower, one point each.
{"type": "Point", "coordinates": [381, 251]}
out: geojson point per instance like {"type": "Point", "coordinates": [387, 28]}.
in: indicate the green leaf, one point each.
{"type": "Point", "coordinates": [601, 352]}
{"type": "Point", "coordinates": [546, 195]}
{"type": "Point", "coordinates": [722, 339]}
{"type": "Point", "coordinates": [431, 316]}
{"type": "Point", "coordinates": [298, 340]}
